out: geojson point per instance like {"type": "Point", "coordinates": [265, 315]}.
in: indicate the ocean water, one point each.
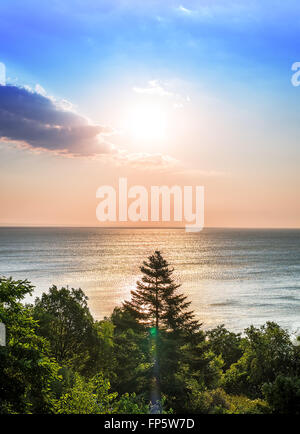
{"type": "Point", "coordinates": [235, 277]}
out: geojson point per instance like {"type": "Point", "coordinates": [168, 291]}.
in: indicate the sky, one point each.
{"type": "Point", "coordinates": [162, 93]}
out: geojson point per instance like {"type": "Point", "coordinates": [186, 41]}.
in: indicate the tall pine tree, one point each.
{"type": "Point", "coordinates": [156, 302]}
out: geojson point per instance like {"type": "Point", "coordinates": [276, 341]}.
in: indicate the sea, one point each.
{"type": "Point", "coordinates": [235, 277]}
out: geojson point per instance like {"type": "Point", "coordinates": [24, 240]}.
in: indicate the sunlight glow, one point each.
{"type": "Point", "coordinates": [146, 123]}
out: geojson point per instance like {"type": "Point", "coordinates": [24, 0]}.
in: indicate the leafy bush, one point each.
{"type": "Point", "coordinates": [283, 394]}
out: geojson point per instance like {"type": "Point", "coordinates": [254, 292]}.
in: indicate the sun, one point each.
{"type": "Point", "coordinates": [146, 123]}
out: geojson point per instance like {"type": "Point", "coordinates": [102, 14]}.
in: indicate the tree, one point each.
{"type": "Point", "coordinates": [66, 322]}
{"type": "Point", "coordinates": [267, 353]}
{"type": "Point", "coordinates": [87, 397]}
{"type": "Point", "coordinates": [156, 302]}
{"type": "Point", "coordinates": [157, 305]}
{"type": "Point", "coordinates": [27, 371]}
{"type": "Point", "coordinates": [283, 394]}
{"type": "Point", "coordinates": [104, 351]}
{"type": "Point", "coordinates": [226, 344]}
{"type": "Point", "coordinates": [131, 357]}
{"type": "Point", "coordinates": [93, 396]}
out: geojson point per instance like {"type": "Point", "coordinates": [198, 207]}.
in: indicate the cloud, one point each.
{"type": "Point", "coordinates": [31, 118]}
{"type": "Point", "coordinates": [199, 174]}
{"type": "Point", "coordinates": [147, 161]}
{"type": "Point", "coordinates": [184, 10]}
{"type": "Point", "coordinates": [40, 122]}
{"type": "Point", "coordinates": [237, 12]}
{"type": "Point", "coordinates": [153, 88]}
{"type": "Point", "coordinates": [156, 88]}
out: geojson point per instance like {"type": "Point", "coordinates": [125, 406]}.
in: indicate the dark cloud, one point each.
{"type": "Point", "coordinates": [38, 121]}
{"type": "Point", "coordinates": [41, 122]}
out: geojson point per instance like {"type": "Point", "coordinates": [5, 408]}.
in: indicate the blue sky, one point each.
{"type": "Point", "coordinates": [80, 49]}
{"type": "Point", "coordinates": [220, 41]}
{"type": "Point", "coordinates": [224, 65]}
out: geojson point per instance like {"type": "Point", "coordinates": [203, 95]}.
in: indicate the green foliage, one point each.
{"type": "Point", "coordinates": [103, 352]}
{"type": "Point", "coordinates": [65, 321]}
{"type": "Point", "coordinates": [199, 401]}
{"type": "Point", "coordinates": [204, 365]}
{"type": "Point", "coordinates": [59, 360]}
{"type": "Point", "coordinates": [267, 352]}
{"type": "Point", "coordinates": [283, 394]}
{"type": "Point", "coordinates": [131, 404]}
{"type": "Point", "coordinates": [217, 401]}
{"type": "Point", "coordinates": [156, 302]}
{"type": "Point", "coordinates": [26, 369]}
{"type": "Point", "coordinates": [93, 396]}
{"type": "Point", "coordinates": [193, 381]}
{"type": "Point", "coordinates": [87, 397]}
{"type": "Point", "coordinates": [157, 306]}
{"type": "Point", "coordinates": [123, 320]}
{"type": "Point", "coordinates": [226, 344]}
{"type": "Point", "coordinates": [132, 354]}
{"type": "Point", "coordinates": [132, 362]}
{"type": "Point", "coordinates": [243, 405]}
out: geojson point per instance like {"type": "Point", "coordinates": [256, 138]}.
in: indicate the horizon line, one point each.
{"type": "Point", "coordinates": [145, 227]}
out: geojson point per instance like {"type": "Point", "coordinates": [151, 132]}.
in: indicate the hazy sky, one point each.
{"type": "Point", "coordinates": [162, 92]}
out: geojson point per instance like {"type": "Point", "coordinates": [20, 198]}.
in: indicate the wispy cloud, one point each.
{"type": "Point", "coordinates": [232, 11]}
{"type": "Point", "coordinates": [184, 10]}
{"type": "Point", "coordinates": [154, 88]}
{"type": "Point", "coordinates": [147, 161]}
{"type": "Point", "coordinates": [199, 174]}
{"type": "Point", "coordinates": [159, 89]}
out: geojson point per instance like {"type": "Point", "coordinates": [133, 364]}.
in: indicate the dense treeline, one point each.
{"type": "Point", "coordinates": [58, 359]}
